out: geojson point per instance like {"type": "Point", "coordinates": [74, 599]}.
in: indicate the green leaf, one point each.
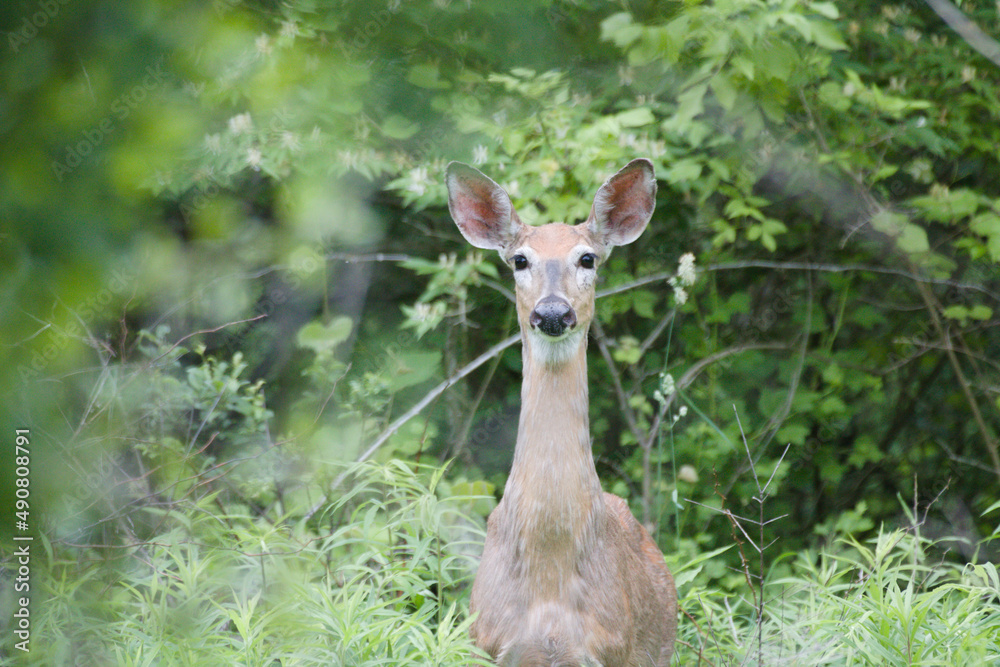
{"type": "Point", "coordinates": [323, 338]}
{"type": "Point", "coordinates": [667, 41]}
{"type": "Point", "coordinates": [724, 90]}
{"type": "Point", "coordinates": [620, 29]}
{"type": "Point", "coordinates": [690, 103]}
{"type": "Point", "coordinates": [988, 225]}
{"type": "Point", "coordinates": [964, 313]}
{"type": "Point", "coordinates": [865, 449]}
{"type": "Point", "coordinates": [889, 222]}
{"type": "Point", "coordinates": [793, 433]}
{"type": "Point", "coordinates": [981, 312]}
{"type": "Point", "coordinates": [635, 117]}
{"type": "Point", "coordinates": [628, 351]}
{"type": "Point", "coordinates": [827, 36]}
{"type": "Point", "coordinates": [427, 75]}
{"type": "Point", "coordinates": [687, 169]}
{"type": "Point", "coordinates": [827, 9]}
{"type": "Point", "coordinates": [643, 303]}
{"type": "Point", "coordinates": [777, 60]}
{"type": "Point", "coordinates": [913, 239]}
{"type": "Point", "coordinates": [399, 127]}
{"type": "Point", "coordinates": [956, 312]}
{"type": "Point", "coordinates": [832, 95]}
{"type": "Point", "coordinates": [949, 206]}
{"type": "Point", "coordinates": [411, 368]}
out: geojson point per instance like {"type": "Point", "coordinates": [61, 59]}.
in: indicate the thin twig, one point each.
{"type": "Point", "coordinates": [629, 414]}
{"type": "Point", "coordinates": [847, 268]}
{"type": "Point", "coordinates": [991, 444]}
{"type": "Point", "coordinates": [967, 30]}
{"type": "Point", "coordinates": [507, 294]}
{"type": "Point", "coordinates": [774, 424]}
{"type": "Point", "coordinates": [803, 266]}
{"type": "Point", "coordinates": [626, 409]}
{"type": "Point", "coordinates": [417, 408]}
{"type": "Point", "coordinates": [696, 370]}
{"type": "Point", "coordinates": [657, 330]}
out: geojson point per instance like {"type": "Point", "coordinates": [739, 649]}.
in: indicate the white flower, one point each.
{"type": "Point", "coordinates": [213, 142]}
{"type": "Point", "coordinates": [290, 140]}
{"type": "Point", "coordinates": [289, 29]}
{"type": "Point", "coordinates": [254, 157]}
{"type": "Point", "coordinates": [263, 45]}
{"type": "Point", "coordinates": [687, 473]}
{"type": "Point", "coordinates": [240, 123]}
{"type": "Point", "coordinates": [194, 89]}
{"type": "Point", "coordinates": [479, 154]}
{"type": "Point", "coordinates": [685, 270]}
{"type": "Point", "coordinates": [680, 294]}
{"type": "Point", "coordinates": [625, 75]}
{"type": "Point", "coordinates": [423, 311]}
{"type": "Point", "coordinates": [347, 157]}
{"type": "Point", "coordinates": [667, 386]}
{"type": "Point", "coordinates": [418, 181]}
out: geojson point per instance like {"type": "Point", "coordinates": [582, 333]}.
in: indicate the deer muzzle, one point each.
{"type": "Point", "coordinates": [553, 316]}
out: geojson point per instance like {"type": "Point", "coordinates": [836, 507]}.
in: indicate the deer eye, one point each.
{"type": "Point", "coordinates": [587, 260]}
{"type": "Point", "coordinates": [520, 262]}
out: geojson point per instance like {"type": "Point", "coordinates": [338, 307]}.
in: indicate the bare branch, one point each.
{"type": "Point", "coordinates": [786, 408]}
{"type": "Point", "coordinates": [696, 370]}
{"type": "Point", "coordinates": [418, 407]}
{"type": "Point", "coordinates": [992, 447]}
{"type": "Point", "coordinates": [967, 30]}
{"type": "Point", "coordinates": [847, 268]}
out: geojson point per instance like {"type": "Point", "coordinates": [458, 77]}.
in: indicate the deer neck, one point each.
{"type": "Point", "coordinates": [553, 485]}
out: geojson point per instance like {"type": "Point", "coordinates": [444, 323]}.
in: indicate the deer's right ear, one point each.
{"type": "Point", "coordinates": [481, 208]}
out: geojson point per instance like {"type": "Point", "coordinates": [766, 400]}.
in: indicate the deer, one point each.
{"type": "Point", "coordinates": [568, 576]}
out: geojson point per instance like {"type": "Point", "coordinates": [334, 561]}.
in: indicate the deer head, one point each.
{"type": "Point", "coordinates": [555, 265]}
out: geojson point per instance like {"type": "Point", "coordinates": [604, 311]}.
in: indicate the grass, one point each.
{"type": "Point", "coordinates": [377, 581]}
{"type": "Point", "coordinates": [381, 577]}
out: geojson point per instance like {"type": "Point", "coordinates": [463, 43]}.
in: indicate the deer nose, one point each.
{"type": "Point", "coordinates": [553, 315]}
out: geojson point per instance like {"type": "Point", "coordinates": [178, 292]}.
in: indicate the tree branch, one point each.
{"type": "Point", "coordinates": [417, 408]}
{"type": "Point", "coordinates": [991, 444]}
{"type": "Point", "coordinates": [804, 266]}
{"type": "Point", "coordinates": [967, 30]}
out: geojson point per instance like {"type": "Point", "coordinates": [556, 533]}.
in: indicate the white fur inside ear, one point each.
{"type": "Point", "coordinates": [624, 204]}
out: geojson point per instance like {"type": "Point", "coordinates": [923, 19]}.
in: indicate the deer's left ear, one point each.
{"type": "Point", "coordinates": [624, 204]}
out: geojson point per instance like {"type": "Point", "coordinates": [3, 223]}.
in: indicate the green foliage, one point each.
{"type": "Point", "coordinates": [884, 601]}
{"type": "Point", "coordinates": [220, 224]}
{"type": "Point", "coordinates": [374, 580]}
